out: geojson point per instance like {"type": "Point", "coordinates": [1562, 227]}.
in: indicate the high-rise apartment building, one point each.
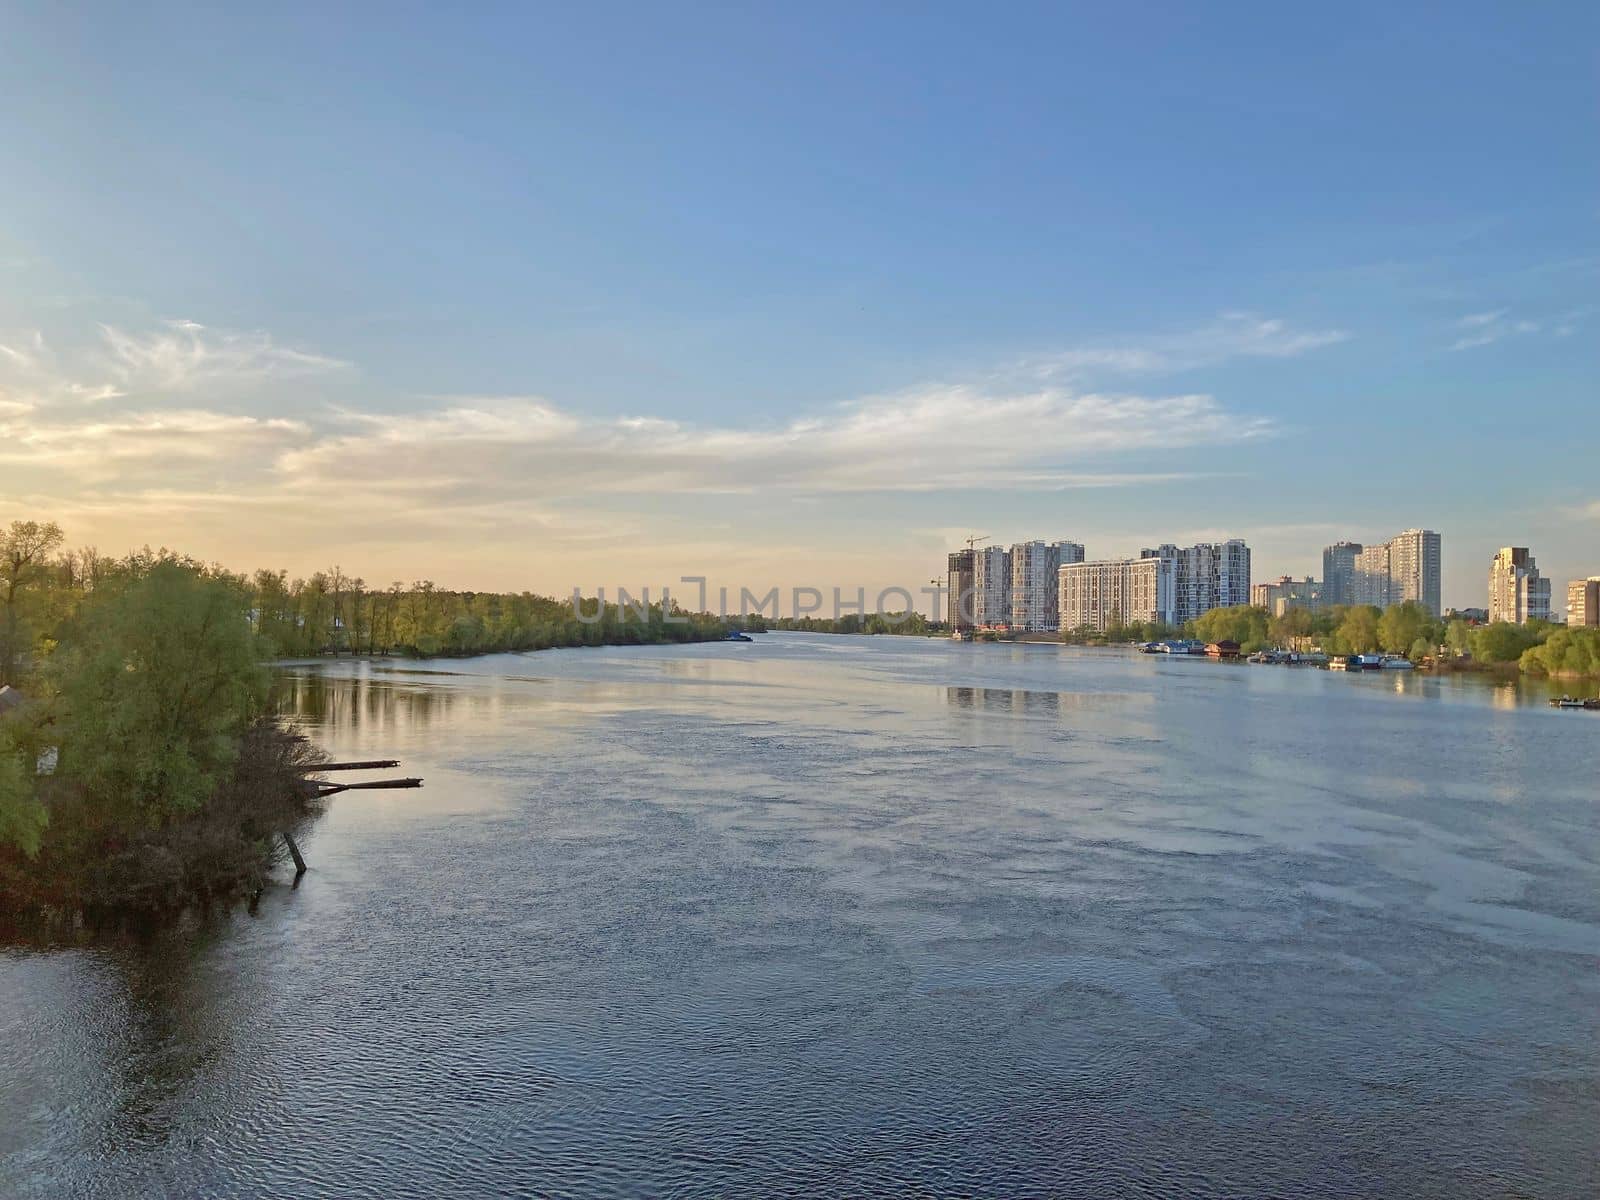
{"type": "Point", "coordinates": [1583, 601]}
{"type": "Point", "coordinates": [991, 586]}
{"type": "Point", "coordinates": [1517, 592]}
{"type": "Point", "coordinates": [1338, 572]}
{"type": "Point", "coordinates": [1034, 586]}
{"type": "Point", "coordinates": [1206, 576]}
{"type": "Point", "coordinates": [1098, 595]}
{"type": "Point", "coordinates": [961, 600]}
{"type": "Point", "coordinates": [1406, 567]}
{"type": "Point", "coordinates": [1414, 568]}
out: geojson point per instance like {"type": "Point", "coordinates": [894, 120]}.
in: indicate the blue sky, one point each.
{"type": "Point", "coordinates": [799, 294]}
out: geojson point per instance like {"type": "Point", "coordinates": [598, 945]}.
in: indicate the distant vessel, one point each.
{"type": "Point", "coordinates": [960, 635]}
{"type": "Point", "coordinates": [1340, 663]}
{"type": "Point", "coordinates": [1397, 662]}
{"type": "Point", "coordinates": [1575, 702]}
{"type": "Point", "coordinates": [735, 636]}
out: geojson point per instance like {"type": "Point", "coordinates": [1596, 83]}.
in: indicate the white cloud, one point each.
{"type": "Point", "coordinates": [100, 447]}
{"type": "Point", "coordinates": [1487, 328]}
{"type": "Point", "coordinates": [177, 358]}
{"type": "Point", "coordinates": [920, 440]}
{"type": "Point", "coordinates": [185, 354]}
{"type": "Point", "coordinates": [1232, 335]}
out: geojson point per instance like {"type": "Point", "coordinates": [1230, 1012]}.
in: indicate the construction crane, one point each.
{"type": "Point", "coordinates": [972, 542]}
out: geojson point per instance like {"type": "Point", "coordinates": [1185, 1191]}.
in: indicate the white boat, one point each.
{"type": "Point", "coordinates": [1398, 662]}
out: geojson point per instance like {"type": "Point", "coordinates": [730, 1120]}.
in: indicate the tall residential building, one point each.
{"type": "Point", "coordinates": [991, 586]}
{"type": "Point", "coordinates": [1120, 591]}
{"type": "Point", "coordinates": [1034, 591]}
{"type": "Point", "coordinates": [1338, 571]}
{"type": "Point", "coordinates": [1583, 601]}
{"type": "Point", "coordinates": [1206, 576]}
{"type": "Point", "coordinates": [961, 600]}
{"type": "Point", "coordinates": [1286, 592]}
{"type": "Point", "coordinates": [1406, 567]}
{"type": "Point", "coordinates": [1517, 592]}
{"type": "Point", "coordinates": [1414, 568]}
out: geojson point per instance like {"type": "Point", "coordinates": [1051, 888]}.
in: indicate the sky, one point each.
{"type": "Point", "coordinates": [544, 297]}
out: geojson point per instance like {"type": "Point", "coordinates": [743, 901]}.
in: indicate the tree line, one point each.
{"type": "Point", "coordinates": [1410, 629]}
{"type": "Point", "coordinates": [912, 624]}
{"type": "Point", "coordinates": [329, 612]}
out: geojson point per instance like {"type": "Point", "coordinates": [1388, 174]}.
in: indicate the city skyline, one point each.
{"type": "Point", "coordinates": [663, 315]}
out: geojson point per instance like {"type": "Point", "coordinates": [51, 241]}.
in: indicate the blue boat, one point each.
{"type": "Point", "coordinates": [735, 636]}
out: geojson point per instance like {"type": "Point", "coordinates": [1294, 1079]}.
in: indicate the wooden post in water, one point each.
{"type": "Point", "coordinates": [320, 789]}
{"type": "Point", "coordinates": [294, 853]}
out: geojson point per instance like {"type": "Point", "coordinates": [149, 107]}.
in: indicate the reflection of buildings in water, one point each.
{"type": "Point", "coordinates": [1005, 699]}
{"type": "Point", "coordinates": [1504, 697]}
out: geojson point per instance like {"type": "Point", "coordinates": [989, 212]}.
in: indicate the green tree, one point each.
{"type": "Point", "coordinates": [163, 678]}
{"type": "Point", "coordinates": [25, 548]}
{"type": "Point", "coordinates": [1358, 631]}
{"type": "Point", "coordinates": [1402, 626]}
{"type": "Point", "coordinates": [1503, 642]}
{"type": "Point", "coordinates": [1294, 623]}
{"type": "Point", "coordinates": [1240, 623]}
{"type": "Point", "coordinates": [1566, 652]}
{"type": "Point", "coordinates": [22, 814]}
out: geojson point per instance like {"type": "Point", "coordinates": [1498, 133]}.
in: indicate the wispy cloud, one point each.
{"type": "Point", "coordinates": [1487, 328]}
{"type": "Point", "coordinates": [94, 447]}
{"type": "Point", "coordinates": [1232, 335]}
{"type": "Point", "coordinates": [920, 440]}
{"type": "Point", "coordinates": [151, 367]}
{"type": "Point", "coordinates": [185, 354]}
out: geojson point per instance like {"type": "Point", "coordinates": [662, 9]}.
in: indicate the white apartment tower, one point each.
{"type": "Point", "coordinates": [1206, 576]}
{"type": "Point", "coordinates": [1125, 591]}
{"type": "Point", "coordinates": [1517, 592]}
{"type": "Point", "coordinates": [991, 587]}
{"type": "Point", "coordinates": [1406, 567]}
{"type": "Point", "coordinates": [1034, 584]}
{"type": "Point", "coordinates": [1583, 601]}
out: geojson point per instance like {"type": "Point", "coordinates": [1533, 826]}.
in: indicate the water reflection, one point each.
{"type": "Point", "coordinates": [1037, 703]}
{"type": "Point", "coordinates": [349, 703]}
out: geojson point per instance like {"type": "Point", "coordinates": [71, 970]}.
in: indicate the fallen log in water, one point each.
{"type": "Point", "coordinates": [320, 789]}
{"type": "Point", "coordinates": [376, 764]}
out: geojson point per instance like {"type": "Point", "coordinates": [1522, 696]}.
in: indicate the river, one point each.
{"type": "Point", "coordinates": [869, 916]}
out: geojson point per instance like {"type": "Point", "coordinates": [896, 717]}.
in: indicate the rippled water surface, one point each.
{"type": "Point", "coordinates": [866, 916]}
